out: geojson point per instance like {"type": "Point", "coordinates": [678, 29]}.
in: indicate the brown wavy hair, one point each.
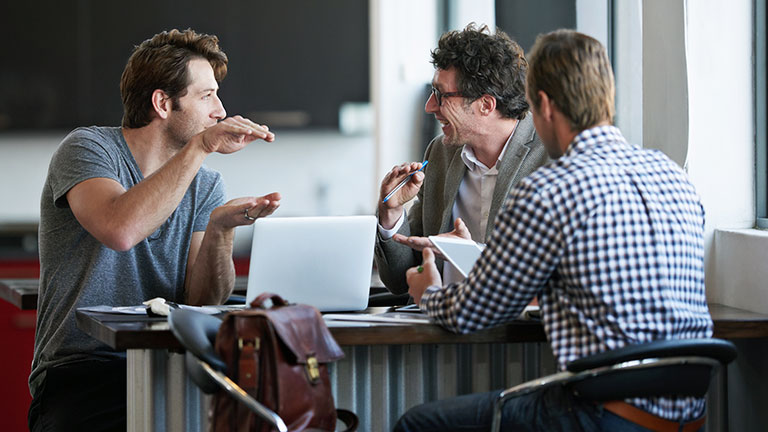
{"type": "Point", "coordinates": [574, 71]}
{"type": "Point", "coordinates": [486, 63]}
{"type": "Point", "coordinates": [161, 63]}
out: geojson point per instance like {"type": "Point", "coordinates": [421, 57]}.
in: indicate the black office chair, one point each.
{"type": "Point", "coordinates": [197, 332]}
{"type": "Point", "coordinates": [678, 367]}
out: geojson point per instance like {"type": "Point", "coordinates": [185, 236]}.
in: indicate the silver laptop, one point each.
{"type": "Point", "coordinates": [323, 261]}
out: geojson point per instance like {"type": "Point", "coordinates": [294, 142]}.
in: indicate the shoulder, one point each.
{"type": "Point", "coordinates": [561, 179]}
{"type": "Point", "coordinates": [94, 138]}
{"type": "Point", "coordinates": [88, 142]}
{"type": "Point", "coordinates": [208, 176]}
{"type": "Point", "coordinates": [94, 135]}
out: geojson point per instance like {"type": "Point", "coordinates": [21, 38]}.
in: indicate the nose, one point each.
{"type": "Point", "coordinates": [431, 106]}
{"type": "Point", "coordinates": [219, 112]}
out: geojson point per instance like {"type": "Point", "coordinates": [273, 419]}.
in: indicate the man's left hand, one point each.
{"type": "Point", "coordinates": [245, 211]}
{"type": "Point", "coordinates": [424, 276]}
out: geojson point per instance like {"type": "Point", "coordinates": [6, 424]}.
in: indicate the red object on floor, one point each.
{"type": "Point", "coordinates": [17, 333]}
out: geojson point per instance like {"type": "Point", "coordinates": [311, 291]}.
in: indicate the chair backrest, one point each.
{"type": "Point", "coordinates": [660, 368]}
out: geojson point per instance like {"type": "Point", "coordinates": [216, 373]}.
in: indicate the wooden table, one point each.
{"type": "Point", "coordinates": [730, 322]}
{"type": "Point", "coordinates": [378, 356]}
{"type": "Point", "coordinates": [21, 293]}
{"type": "Point", "coordinates": [123, 332]}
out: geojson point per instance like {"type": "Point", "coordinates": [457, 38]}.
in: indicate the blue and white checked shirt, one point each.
{"type": "Point", "coordinates": [610, 237]}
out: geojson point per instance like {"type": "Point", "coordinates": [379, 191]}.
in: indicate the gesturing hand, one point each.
{"type": "Point", "coordinates": [244, 211]}
{"type": "Point", "coordinates": [394, 177]}
{"type": "Point", "coordinates": [460, 230]}
{"type": "Point", "coordinates": [390, 211]}
{"type": "Point", "coordinates": [233, 134]}
{"type": "Point", "coordinates": [424, 276]}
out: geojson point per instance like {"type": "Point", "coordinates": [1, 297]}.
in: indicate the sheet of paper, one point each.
{"type": "Point", "coordinates": [389, 317]}
{"type": "Point", "coordinates": [142, 310]}
{"type": "Point", "coordinates": [123, 310]}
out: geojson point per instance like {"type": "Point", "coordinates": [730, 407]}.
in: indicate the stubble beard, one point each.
{"type": "Point", "coordinates": [180, 131]}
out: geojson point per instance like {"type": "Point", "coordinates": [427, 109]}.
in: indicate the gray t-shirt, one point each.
{"type": "Point", "coordinates": [76, 270]}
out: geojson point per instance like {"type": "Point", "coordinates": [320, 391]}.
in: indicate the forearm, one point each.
{"type": "Point", "coordinates": [142, 209]}
{"type": "Point", "coordinates": [392, 260]}
{"type": "Point", "coordinates": [211, 278]}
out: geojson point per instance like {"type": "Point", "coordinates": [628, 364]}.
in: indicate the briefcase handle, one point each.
{"type": "Point", "coordinates": [349, 418]}
{"type": "Point", "coordinates": [258, 302]}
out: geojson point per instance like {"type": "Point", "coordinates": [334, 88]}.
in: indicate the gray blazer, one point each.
{"type": "Point", "coordinates": [431, 212]}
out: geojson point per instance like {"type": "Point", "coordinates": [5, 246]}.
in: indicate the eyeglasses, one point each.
{"type": "Point", "coordinates": [439, 96]}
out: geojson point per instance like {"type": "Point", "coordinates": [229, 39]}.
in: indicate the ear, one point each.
{"type": "Point", "coordinates": [487, 104]}
{"type": "Point", "coordinates": [161, 103]}
{"type": "Point", "coordinates": [546, 106]}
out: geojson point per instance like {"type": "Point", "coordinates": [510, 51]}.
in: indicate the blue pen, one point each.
{"type": "Point", "coordinates": [405, 180]}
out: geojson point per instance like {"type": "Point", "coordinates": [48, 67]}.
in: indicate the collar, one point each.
{"type": "Point", "coordinates": [474, 165]}
{"type": "Point", "coordinates": [594, 136]}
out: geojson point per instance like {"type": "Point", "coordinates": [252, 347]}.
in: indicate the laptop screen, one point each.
{"type": "Point", "coordinates": [322, 261]}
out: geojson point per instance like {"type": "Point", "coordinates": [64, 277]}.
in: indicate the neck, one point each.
{"type": "Point", "coordinates": [148, 148]}
{"type": "Point", "coordinates": [488, 146]}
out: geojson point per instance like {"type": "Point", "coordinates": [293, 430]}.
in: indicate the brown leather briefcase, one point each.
{"type": "Point", "coordinates": [279, 356]}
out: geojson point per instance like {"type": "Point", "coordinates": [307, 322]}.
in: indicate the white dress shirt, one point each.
{"type": "Point", "coordinates": [472, 204]}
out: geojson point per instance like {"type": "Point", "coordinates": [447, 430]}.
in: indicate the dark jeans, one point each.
{"type": "Point", "coordinates": [82, 396]}
{"type": "Point", "coordinates": [553, 409]}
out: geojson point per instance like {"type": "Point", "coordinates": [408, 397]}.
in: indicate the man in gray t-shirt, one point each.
{"type": "Point", "coordinates": [131, 213]}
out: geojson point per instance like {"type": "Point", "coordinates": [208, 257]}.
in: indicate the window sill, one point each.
{"type": "Point", "coordinates": [739, 273]}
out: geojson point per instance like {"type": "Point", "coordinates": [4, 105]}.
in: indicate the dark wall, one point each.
{"type": "Point", "coordinates": [523, 20]}
{"type": "Point", "coordinates": [60, 61]}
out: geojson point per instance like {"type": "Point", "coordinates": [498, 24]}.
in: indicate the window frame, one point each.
{"type": "Point", "coordinates": [761, 115]}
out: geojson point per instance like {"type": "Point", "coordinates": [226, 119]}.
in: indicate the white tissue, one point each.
{"type": "Point", "coordinates": [158, 306]}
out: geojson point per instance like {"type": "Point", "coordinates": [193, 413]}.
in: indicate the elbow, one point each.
{"type": "Point", "coordinates": [460, 325]}
{"type": "Point", "coordinates": [119, 240]}
{"type": "Point", "coordinates": [119, 245]}
{"type": "Point", "coordinates": [458, 328]}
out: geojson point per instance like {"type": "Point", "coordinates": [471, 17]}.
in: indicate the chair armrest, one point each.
{"type": "Point", "coordinates": [196, 331]}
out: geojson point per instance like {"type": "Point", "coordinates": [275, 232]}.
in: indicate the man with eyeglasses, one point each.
{"type": "Point", "coordinates": [488, 144]}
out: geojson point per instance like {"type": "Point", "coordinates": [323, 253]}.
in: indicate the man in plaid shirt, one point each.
{"type": "Point", "coordinates": [608, 236]}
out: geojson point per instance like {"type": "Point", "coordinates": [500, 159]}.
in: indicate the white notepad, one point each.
{"type": "Point", "coordinates": [461, 253]}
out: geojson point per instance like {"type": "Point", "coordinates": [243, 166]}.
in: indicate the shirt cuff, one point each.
{"type": "Point", "coordinates": [387, 234]}
{"type": "Point", "coordinates": [428, 293]}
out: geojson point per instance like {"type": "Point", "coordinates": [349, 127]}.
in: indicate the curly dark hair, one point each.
{"type": "Point", "coordinates": [486, 63]}
{"type": "Point", "coordinates": [161, 63]}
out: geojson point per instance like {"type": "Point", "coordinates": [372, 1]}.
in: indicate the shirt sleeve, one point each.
{"type": "Point", "coordinates": [520, 258]}
{"type": "Point", "coordinates": [79, 157]}
{"type": "Point", "coordinates": [387, 234]}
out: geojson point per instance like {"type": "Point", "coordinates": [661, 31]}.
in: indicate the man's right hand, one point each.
{"type": "Point", "coordinates": [391, 210]}
{"type": "Point", "coordinates": [232, 134]}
